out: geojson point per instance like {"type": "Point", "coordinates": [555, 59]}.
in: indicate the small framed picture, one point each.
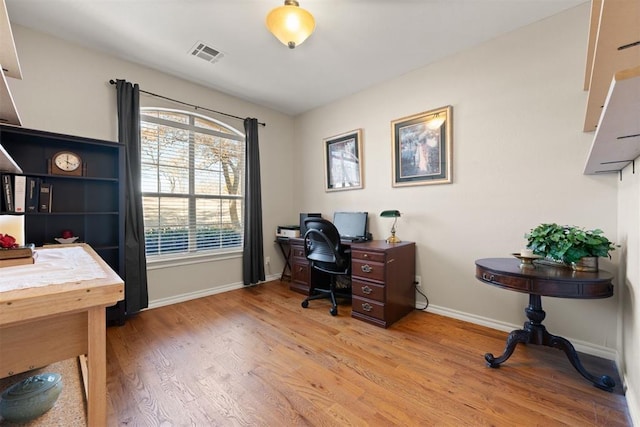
{"type": "Point", "coordinates": [422, 148]}
{"type": "Point", "coordinates": [343, 161]}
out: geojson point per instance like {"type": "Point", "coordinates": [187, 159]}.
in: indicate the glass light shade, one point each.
{"type": "Point", "coordinates": [291, 24]}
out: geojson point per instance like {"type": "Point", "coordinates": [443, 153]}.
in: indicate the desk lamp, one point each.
{"type": "Point", "coordinates": [392, 214]}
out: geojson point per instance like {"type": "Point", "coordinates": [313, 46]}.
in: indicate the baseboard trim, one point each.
{"type": "Point", "coordinates": [203, 293]}
{"type": "Point", "coordinates": [581, 346]}
{"type": "Point", "coordinates": [633, 403]}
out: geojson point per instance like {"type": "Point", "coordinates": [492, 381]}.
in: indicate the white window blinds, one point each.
{"type": "Point", "coordinates": [192, 171]}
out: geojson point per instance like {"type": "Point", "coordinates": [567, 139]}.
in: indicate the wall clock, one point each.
{"type": "Point", "coordinates": [66, 163]}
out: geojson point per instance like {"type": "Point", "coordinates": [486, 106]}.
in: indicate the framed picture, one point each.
{"type": "Point", "coordinates": [422, 148]}
{"type": "Point", "coordinates": [343, 161]}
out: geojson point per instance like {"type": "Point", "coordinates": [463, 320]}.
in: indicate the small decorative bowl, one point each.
{"type": "Point", "coordinates": [66, 240]}
{"type": "Point", "coordinates": [30, 398]}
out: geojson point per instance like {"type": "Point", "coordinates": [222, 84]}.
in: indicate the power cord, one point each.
{"type": "Point", "coordinates": [423, 294]}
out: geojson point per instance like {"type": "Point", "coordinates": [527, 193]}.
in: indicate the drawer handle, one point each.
{"type": "Point", "coordinates": [366, 268]}
{"type": "Point", "coordinates": [366, 290]}
{"type": "Point", "coordinates": [365, 255]}
{"type": "Point", "coordinates": [488, 278]}
{"type": "Point", "coordinates": [300, 268]}
{"type": "Point", "coordinates": [367, 307]}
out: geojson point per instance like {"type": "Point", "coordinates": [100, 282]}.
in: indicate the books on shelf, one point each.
{"type": "Point", "coordinates": [44, 200]}
{"type": "Point", "coordinates": [32, 195]}
{"type": "Point", "coordinates": [19, 192]}
{"type": "Point", "coordinates": [7, 193]}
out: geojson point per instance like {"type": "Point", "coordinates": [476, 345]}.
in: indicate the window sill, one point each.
{"type": "Point", "coordinates": [168, 261]}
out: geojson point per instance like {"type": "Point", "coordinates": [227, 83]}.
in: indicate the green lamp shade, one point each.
{"type": "Point", "coordinates": [390, 214]}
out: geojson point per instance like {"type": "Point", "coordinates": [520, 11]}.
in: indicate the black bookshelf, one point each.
{"type": "Point", "coordinates": [91, 204]}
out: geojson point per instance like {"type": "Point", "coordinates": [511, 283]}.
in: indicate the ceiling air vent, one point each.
{"type": "Point", "coordinates": [205, 52]}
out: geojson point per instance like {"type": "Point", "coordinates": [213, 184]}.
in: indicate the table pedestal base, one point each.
{"type": "Point", "coordinates": [535, 333]}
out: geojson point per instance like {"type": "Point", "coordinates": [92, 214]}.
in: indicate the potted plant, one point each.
{"type": "Point", "coordinates": [570, 245]}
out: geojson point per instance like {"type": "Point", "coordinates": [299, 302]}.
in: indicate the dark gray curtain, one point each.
{"type": "Point", "coordinates": [135, 265]}
{"type": "Point", "coordinates": [253, 256]}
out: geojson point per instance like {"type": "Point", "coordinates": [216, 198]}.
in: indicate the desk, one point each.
{"type": "Point", "coordinates": [43, 324]}
{"type": "Point", "coordinates": [382, 278]}
{"type": "Point", "coordinates": [541, 281]}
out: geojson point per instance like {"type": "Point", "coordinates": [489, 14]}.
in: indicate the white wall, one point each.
{"type": "Point", "coordinates": [518, 158]}
{"type": "Point", "coordinates": [65, 89]}
{"type": "Point", "coordinates": [519, 151]}
{"type": "Point", "coordinates": [629, 238]}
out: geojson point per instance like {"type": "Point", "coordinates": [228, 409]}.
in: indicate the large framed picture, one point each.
{"type": "Point", "coordinates": [343, 161]}
{"type": "Point", "coordinates": [422, 148]}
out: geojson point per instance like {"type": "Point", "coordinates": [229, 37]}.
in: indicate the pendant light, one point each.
{"type": "Point", "coordinates": [290, 23]}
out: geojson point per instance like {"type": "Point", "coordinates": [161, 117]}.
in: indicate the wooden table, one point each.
{"type": "Point", "coordinates": [43, 324]}
{"type": "Point", "coordinates": [540, 280]}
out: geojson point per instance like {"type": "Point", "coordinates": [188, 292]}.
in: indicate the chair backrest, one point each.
{"type": "Point", "coordinates": [323, 248]}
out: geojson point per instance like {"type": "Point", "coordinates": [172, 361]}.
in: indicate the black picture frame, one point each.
{"type": "Point", "coordinates": [343, 161]}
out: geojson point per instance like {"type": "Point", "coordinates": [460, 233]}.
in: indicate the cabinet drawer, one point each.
{"type": "Point", "coordinates": [368, 256]}
{"type": "Point", "coordinates": [367, 290]}
{"type": "Point", "coordinates": [368, 307]}
{"type": "Point", "coordinates": [297, 252]}
{"type": "Point", "coordinates": [516, 283]}
{"type": "Point", "coordinates": [367, 269]}
{"type": "Point", "coordinates": [300, 271]}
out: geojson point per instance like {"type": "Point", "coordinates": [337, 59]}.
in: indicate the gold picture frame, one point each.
{"type": "Point", "coordinates": [343, 161]}
{"type": "Point", "coordinates": [422, 148]}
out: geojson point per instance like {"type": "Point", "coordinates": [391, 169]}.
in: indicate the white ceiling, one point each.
{"type": "Point", "coordinates": [356, 44]}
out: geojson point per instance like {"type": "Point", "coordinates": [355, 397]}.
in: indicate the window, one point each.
{"type": "Point", "coordinates": [192, 170]}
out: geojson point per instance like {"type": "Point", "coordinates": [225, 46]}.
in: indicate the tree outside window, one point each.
{"type": "Point", "coordinates": [192, 169]}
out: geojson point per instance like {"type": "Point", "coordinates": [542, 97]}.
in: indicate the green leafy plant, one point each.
{"type": "Point", "coordinates": [567, 243]}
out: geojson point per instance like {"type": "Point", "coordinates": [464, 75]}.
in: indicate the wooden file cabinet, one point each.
{"type": "Point", "coordinates": [303, 277]}
{"type": "Point", "coordinates": [382, 281]}
{"type": "Point", "coordinates": [299, 267]}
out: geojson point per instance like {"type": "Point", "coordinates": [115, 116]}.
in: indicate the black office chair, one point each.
{"type": "Point", "coordinates": [325, 253]}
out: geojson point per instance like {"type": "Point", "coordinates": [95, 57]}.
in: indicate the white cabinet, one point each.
{"type": "Point", "coordinates": [10, 68]}
{"type": "Point", "coordinates": [617, 139]}
{"type": "Point", "coordinates": [613, 80]}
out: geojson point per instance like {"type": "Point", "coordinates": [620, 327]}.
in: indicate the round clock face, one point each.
{"type": "Point", "coordinates": [67, 161]}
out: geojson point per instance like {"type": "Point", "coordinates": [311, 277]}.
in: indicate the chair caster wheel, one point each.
{"type": "Point", "coordinates": [304, 304]}
{"type": "Point", "coordinates": [333, 311]}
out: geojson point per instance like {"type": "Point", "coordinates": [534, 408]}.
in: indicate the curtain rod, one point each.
{"type": "Point", "coordinates": [113, 82]}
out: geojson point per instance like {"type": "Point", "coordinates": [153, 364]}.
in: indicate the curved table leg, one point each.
{"type": "Point", "coordinates": [519, 335]}
{"type": "Point", "coordinates": [534, 332]}
{"type": "Point", "coordinates": [604, 382]}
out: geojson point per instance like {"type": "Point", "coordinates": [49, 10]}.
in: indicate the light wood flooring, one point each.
{"type": "Point", "coordinates": [255, 357]}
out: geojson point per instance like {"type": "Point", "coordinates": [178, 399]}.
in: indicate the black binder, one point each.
{"type": "Point", "coordinates": [33, 194]}
{"type": "Point", "coordinates": [7, 193]}
{"type": "Point", "coordinates": [44, 200]}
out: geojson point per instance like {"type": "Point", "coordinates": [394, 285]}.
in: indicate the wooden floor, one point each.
{"type": "Point", "coordinates": [254, 357]}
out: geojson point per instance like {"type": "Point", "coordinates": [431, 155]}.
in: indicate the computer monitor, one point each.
{"type": "Point", "coordinates": [351, 225]}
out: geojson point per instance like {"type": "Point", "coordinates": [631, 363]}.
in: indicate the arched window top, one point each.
{"type": "Point", "coordinates": [187, 118]}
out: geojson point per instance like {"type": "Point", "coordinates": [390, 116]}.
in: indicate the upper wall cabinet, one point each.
{"type": "Point", "coordinates": [10, 68]}
{"type": "Point", "coordinates": [613, 80]}
{"type": "Point", "coordinates": [614, 45]}
{"type": "Point", "coordinates": [617, 138]}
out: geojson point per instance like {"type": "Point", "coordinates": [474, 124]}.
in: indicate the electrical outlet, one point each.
{"type": "Point", "coordinates": [418, 281]}
{"type": "Point", "coordinates": [267, 260]}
